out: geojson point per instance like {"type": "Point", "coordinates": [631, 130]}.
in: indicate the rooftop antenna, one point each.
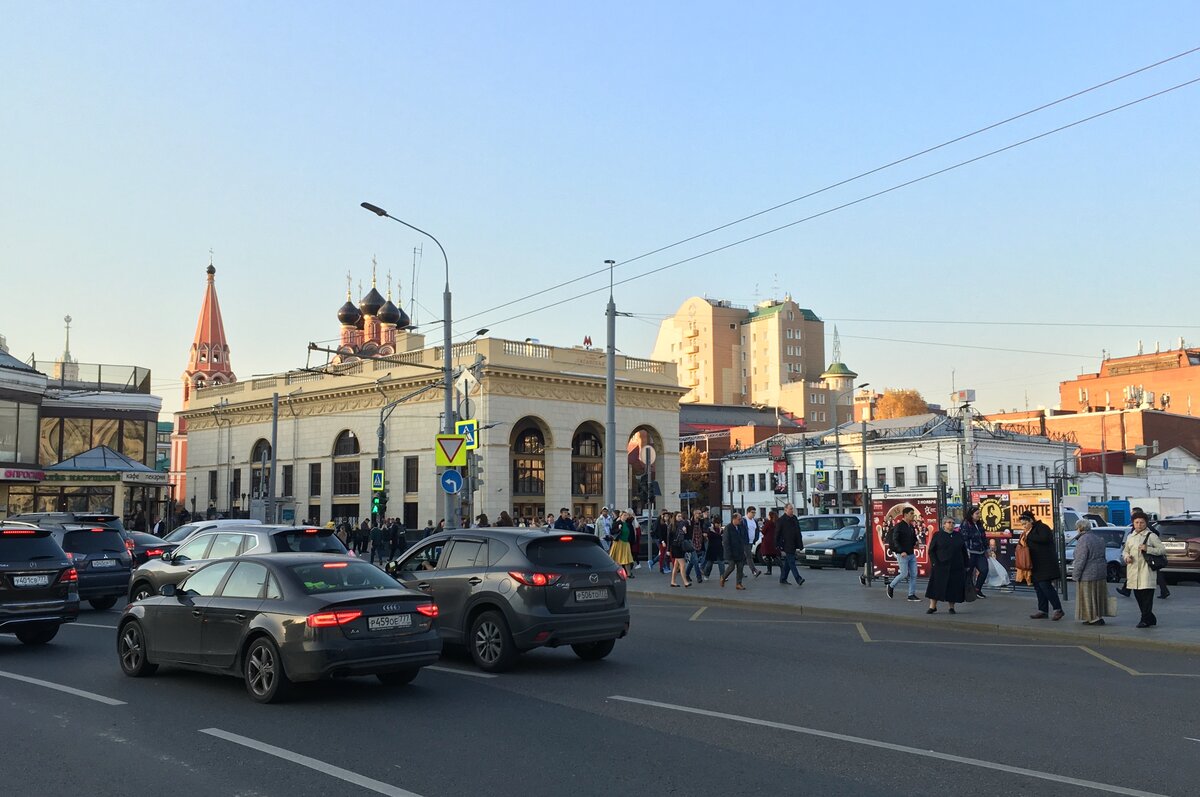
{"type": "Point", "coordinates": [412, 291]}
{"type": "Point", "coordinates": [837, 345]}
{"type": "Point", "coordinates": [775, 288]}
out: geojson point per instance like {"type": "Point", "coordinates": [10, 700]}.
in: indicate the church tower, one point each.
{"type": "Point", "coordinates": [208, 365]}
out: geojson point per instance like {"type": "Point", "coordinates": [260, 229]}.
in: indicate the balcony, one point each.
{"type": "Point", "coordinates": [94, 377]}
{"type": "Point", "coordinates": [693, 349]}
{"type": "Point", "coordinates": [692, 333]}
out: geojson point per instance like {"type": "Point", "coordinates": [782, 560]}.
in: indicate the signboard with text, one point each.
{"type": "Point", "coordinates": [998, 510]}
{"type": "Point", "coordinates": [885, 513]}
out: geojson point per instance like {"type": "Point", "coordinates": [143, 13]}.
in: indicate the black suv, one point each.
{"type": "Point", "coordinates": [1180, 534]}
{"type": "Point", "coordinates": [102, 559]}
{"type": "Point", "coordinates": [504, 591]}
{"type": "Point", "coordinates": [38, 584]}
{"type": "Point", "coordinates": [224, 542]}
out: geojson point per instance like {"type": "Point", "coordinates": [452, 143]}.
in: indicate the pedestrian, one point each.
{"type": "Point", "coordinates": [788, 539]}
{"type": "Point", "coordinates": [564, 521]}
{"type": "Point", "coordinates": [753, 535]}
{"type": "Point", "coordinates": [505, 520]}
{"type": "Point", "coordinates": [1139, 576]}
{"type": "Point", "coordinates": [695, 557]}
{"type": "Point", "coordinates": [1163, 592]}
{"type": "Point", "coordinates": [903, 542]}
{"type": "Point", "coordinates": [679, 534]}
{"type": "Point", "coordinates": [768, 548]}
{"type": "Point", "coordinates": [734, 540]}
{"type": "Point", "coordinates": [604, 523]}
{"type": "Point", "coordinates": [660, 537]}
{"type": "Point", "coordinates": [977, 549]}
{"type": "Point", "coordinates": [364, 536]}
{"type": "Point", "coordinates": [1091, 574]}
{"type": "Point", "coordinates": [714, 548]}
{"type": "Point", "coordinates": [481, 521]}
{"type": "Point", "coordinates": [378, 541]}
{"type": "Point", "coordinates": [620, 551]}
{"type": "Point", "coordinates": [947, 568]}
{"type": "Point", "coordinates": [343, 534]}
{"type": "Point", "coordinates": [1039, 539]}
{"type": "Point", "coordinates": [395, 536]}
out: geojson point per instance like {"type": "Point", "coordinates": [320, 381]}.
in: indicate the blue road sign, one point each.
{"type": "Point", "coordinates": [819, 464]}
{"type": "Point", "coordinates": [688, 495]}
{"type": "Point", "coordinates": [452, 481]}
{"type": "Point", "coordinates": [470, 430]}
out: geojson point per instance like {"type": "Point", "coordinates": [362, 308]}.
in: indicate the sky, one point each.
{"type": "Point", "coordinates": [537, 140]}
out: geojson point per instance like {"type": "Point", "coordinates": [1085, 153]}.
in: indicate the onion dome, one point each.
{"type": "Point", "coordinates": [389, 313]}
{"type": "Point", "coordinates": [349, 315]}
{"type": "Point", "coordinates": [371, 303]}
{"type": "Point", "coordinates": [403, 322]}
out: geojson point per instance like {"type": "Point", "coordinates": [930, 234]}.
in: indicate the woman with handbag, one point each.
{"type": "Point", "coordinates": [620, 551]}
{"type": "Point", "coordinates": [681, 540]}
{"type": "Point", "coordinates": [768, 549]}
{"type": "Point", "coordinates": [948, 561]}
{"type": "Point", "coordinates": [1091, 574]}
{"type": "Point", "coordinates": [1141, 553]}
{"type": "Point", "coordinates": [1039, 539]}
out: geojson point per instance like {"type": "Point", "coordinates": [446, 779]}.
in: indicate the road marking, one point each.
{"type": "Point", "coordinates": [70, 690]}
{"type": "Point", "coordinates": [457, 671]}
{"type": "Point", "coordinates": [862, 632]}
{"type": "Point", "coordinates": [377, 786]}
{"type": "Point", "coordinates": [89, 625]}
{"type": "Point", "coordinates": [1190, 739]}
{"type": "Point", "coordinates": [699, 612]}
{"type": "Point", "coordinates": [1107, 660]}
{"type": "Point", "coordinates": [898, 748]}
{"type": "Point", "coordinates": [974, 644]}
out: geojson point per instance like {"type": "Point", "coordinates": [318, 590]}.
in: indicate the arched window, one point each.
{"type": "Point", "coordinates": [587, 465]}
{"type": "Point", "coordinates": [346, 444]}
{"type": "Point", "coordinates": [258, 485]}
{"type": "Point", "coordinates": [261, 450]}
{"type": "Point", "coordinates": [345, 472]}
{"type": "Point", "coordinates": [530, 441]}
{"type": "Point", "coordinates": [199, 382]}
{"type": "Point", "coordinates": [216, 355]}
{"type": "Point", "coordinates": [586, 444]}
{"type": "Point", "coordinates": [529, 462]}
{"type": "Point", "coordinates": [203, 354]}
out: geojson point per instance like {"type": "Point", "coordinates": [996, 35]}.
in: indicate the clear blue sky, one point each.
{"type": "Point", "coordinates": [538, 139]}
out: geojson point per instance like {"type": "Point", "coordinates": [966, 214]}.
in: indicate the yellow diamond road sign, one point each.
{"type": "Point", "coordinates": [450, 450]}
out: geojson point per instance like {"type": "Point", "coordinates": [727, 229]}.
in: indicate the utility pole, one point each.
{"type": "Point", "coordinates": [272, 515]}
{"type": "Point", "coordinates": [868, 563]}
{"type": "Point", "coordinates": [1104, 453]}
{"type": "Point", "coordinates": [804, 470]}
{"type": "Point", "coordinates": [610, 398]}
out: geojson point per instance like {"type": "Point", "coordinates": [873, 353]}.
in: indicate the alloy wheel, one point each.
{"type": "Point", "coordinates": [488, 642]}
{"type": "Point", "coordinates": [260, 669]}
{"type": "Point", "coordinates": [131, 647]}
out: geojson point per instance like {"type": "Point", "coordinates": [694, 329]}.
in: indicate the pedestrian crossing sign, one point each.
{"type": "Point", "coordinates": [376, 480]}
{"type": "Point", "coordinates": [470, 430]}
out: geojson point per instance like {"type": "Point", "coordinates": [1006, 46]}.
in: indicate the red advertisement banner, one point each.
{"type": "Point", "coordinates": [885, 512]}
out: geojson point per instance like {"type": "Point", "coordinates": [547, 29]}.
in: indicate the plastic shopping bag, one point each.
{"type": "Point", "coordinates": [997, 574]}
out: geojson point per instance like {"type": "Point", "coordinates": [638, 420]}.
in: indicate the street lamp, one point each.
{"type": "Point", "coordinates": [447, 351]}
{"type": "Point", "coordinates": [837, 443]}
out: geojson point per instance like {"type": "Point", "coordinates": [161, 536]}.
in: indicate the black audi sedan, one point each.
{"type": "Point", "coordinates": [279, 619]}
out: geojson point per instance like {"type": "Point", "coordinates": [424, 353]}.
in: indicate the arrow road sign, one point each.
{"type": "Point", "coordinates": [452, 481]}
{"type": "Point", "coordinates": [819, 464]}
{"type": "Point", "coordinates": [470, 430]}
{"type": "Point", "coordinates": [450, 450]}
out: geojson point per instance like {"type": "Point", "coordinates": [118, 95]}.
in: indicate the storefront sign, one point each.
{"type": "Point", "coordinates": [144, 478]}
{"type": "Point", "coordinates": [20, 475]}
{"type": "Point", "coordinates": [885, 513]}
{"type": "Point", "coordinates": [998, 508]}
{"type": "Point", "coordinates": [51, 476]}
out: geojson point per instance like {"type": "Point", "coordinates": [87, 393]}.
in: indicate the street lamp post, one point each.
{"type": "Point", "coordinates": [837, 442]}
{"type": "Point", "coordinates": [447, 354]}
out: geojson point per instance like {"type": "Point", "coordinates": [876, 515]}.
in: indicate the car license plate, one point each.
{"type": "Point", "coordinates": [30, 581]}
{"type": "Point", "coordinates": [812, 556]}
{"type": "Point", "coordinates": [1175, 546]}
{"type": "Point", "coordinates": [385, 622]}
{"type": "Point", "coordinates": [591, 594]}
{"type": "Point", "coordinates": [104, 563]}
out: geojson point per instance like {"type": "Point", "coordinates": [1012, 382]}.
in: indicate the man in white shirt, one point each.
{"type": "Point", "coordinates": [604, 527]}
{"type": "Point", "coordinates": [752, 536]}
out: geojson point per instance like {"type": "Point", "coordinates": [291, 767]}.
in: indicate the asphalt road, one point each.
{"type": "Point", "coordinates": [697, 701]}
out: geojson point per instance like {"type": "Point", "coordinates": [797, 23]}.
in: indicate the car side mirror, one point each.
{"type": "Point", "coordinates": [167, 590]}
{"type": "Point", "coordinates": [166, 556]}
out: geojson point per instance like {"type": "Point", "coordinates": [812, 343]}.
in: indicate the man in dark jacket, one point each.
{"type": "Point", "coordinates": [977, 548]}
{"type": "Point", "coordinates": [564, 522]}
{"type": "Point", "coordinates": [904, 544]}
{"type": "Point", "coordinates": [1040, 541]}
{"type": "Point", "coordinates": [378, 543]}
{"type": "Point", "coordinates": [789, 539]}
{"type": "Point", "coordinates": [734, 542]}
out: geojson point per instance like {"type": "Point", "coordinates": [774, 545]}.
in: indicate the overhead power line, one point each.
{"type": "Point", "coordinates": [839, 183]}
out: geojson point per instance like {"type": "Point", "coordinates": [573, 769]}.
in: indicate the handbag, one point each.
{"type": "Point", "coordinates": [1110, 605]}
{"type": "Point", "coordinates": [1156, 561]}
{"type": "Point", "coordinates": [687, 546]}
{"type": "Point", "coordinates": [1024, 560]}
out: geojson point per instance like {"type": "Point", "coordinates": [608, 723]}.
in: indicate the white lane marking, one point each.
{"type": "Point", "coordinates": [899, 748]}
{"type": "Point", "coordinates": [1190, 739]}
{"type": "Point", "coordinates": [1109, 661]}
{"type": "Point", "coordinates": [699, 612]}
{"type": "Point", "coordinates": [70, 690]}
{"type": "Point", "coordinates": [457, 671]}
{"type": "Point", "coordinates": [862, 632]}
{"type": "Point", "coordinates": [89, 625]}
{"type": "Point", "coordinates": [377, 786]}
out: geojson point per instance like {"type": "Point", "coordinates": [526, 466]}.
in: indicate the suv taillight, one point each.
{"type": "Point", "coordinates": [70, 575]}
{"type": "Point", "coordinates": [328, 619]}
{"type": "Point", "coordinates": [535, 579]}
{"type": "Point", "coordinates": [621, 574]}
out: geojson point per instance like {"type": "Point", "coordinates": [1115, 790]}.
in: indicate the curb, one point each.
{"type": "Point", "coordinates": [1065, 635]}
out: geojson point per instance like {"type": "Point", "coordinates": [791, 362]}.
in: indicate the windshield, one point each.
{"type": "Point", "coordinates": [845, 533]}
{"type": "Point", "coordinates": [182, 533]}
{"type": "Point", "coordinates": [322, 577]}
{"type": "Point", "coordinates": [308, 541]}
{"type": "Point", "coordinates": [567, 551]}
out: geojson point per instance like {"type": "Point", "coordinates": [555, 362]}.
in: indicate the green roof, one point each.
{"type": "Point", "coordinates": [767, 312]}
{"type": "Point", "coordinates": [838, 369]}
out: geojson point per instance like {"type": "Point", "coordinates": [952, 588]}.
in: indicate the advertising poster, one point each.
{"type": "Point", "coordinates": [885, 512]}
{"type": "Point", "coordinates": [779, 478]}
{"type": "Point", "coordinates": [998, 511]}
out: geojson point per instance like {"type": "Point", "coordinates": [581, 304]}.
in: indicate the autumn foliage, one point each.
{"type": "Point", "coordinates": [897, 403]}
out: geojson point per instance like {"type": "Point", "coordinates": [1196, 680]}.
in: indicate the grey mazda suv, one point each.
{"type": "Point", "coordinates": [503, 591]}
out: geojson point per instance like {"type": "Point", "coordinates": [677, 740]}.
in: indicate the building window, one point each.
{"type": "Point", "coordinates": [800, 482]}
{"type": "Point", "coordinates": [729, 480]}
{"type": "Point", "coordinates": [345, 478]}
{"type": "Point", "coordinates": [943, 475]}
{"type": "Point", "coordinates": [258, 455]}
{"type": "Point", "coordinates": [853, 479]}
{"type": "Point", "coordinates": [898, 475]}
{"type": "Point", "coordinates": [880, 478]}
{"type": "Point", "coordinates": [346, 444]}
{"type": "Point", "coordinates": [411, 466]}
{"type": "Point", "coordinates": [237, 486]}
{"type": "Point", "coordinates": [314, 478]}
{"type": "Point", "coordinates": [288, 481]}
{"type": "Point", "coordinates": [212, 487]}
{"type": "Point", "coordinates": [989, 474]}
{"type": "Point", "coordinates": [922, 475]}
{"type": "Point", "coordinates": [529, 462]}
{"type": "Point", "coordinates": [587, 465]}
{"type": "Point", "coordinates": [741, 482]}
{"type": "Point", "coordinates": [1010, 481]}
{"type": "Point", "coordinates": [762, 482]}
{"type": "Point", "coordinates": [840, 487]}
{"type": "Point", "coordinates": [978, 473]}
{"type": "Point", "coordinates": [1020, 475]}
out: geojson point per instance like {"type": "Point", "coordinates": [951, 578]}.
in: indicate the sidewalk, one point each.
{"type": "Point", "coordinates": [838, 594]}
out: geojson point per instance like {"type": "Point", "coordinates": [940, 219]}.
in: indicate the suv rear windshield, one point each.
{"type": "Point", "coordinates": [574, 552]}
{"type": "Point", "coordinates": [322, 577]}
{"type": "Point", "coordinates": [88, 541]}
{"type": "Point", "coordinates": [1177, 529]}
{"type": "Point", "coordinates": [15, 547]}
{"type": "Point", "coordinates": [107, 521]}
{"type": "Point", "coordinates": [321, 541]}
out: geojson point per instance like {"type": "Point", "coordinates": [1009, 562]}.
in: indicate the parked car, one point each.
{"type": "Point", "coordinates": [102, 561]}
{"type": "Point", "coordinates": [822, 527]}
{"type": "Point", "coordinates": [39, 586]}
{"type": "Point", "coordinates": [51, 520]}
{"type": "Point", "coordinates": [846, 547]}
{"type": "Point", "coordinates": [1114, 537]}
{"type": "Point", "coordinates": [181, 533]}
{"type": "Point", "coordinates": [1180, 535]}
{"type": "Point", "coordinates": [147, 546]}
{"type": "Point", "coordinates": [504, 591]}
{"type": "Point", "coordinates": [278, 619]}
{"type": "Point", "coordinates": [225, 542]}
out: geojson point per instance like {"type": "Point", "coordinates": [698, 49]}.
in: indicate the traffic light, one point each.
{"type": "Point", "coordinates": [381, 500]}
{"type": "Point", "coordinates": [377, 505]}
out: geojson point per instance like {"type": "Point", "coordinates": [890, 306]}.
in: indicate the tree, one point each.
{"type": "Point", "coordinates": [693, 469]}
{"type": "Point", "coordinates": [897, 403]}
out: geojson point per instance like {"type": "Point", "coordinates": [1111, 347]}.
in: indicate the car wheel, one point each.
{"type": "Point", "coordinates": [491, 644]}
{"type": "Point", "coordinates": [262, 668]}
{"type": "Point", "coordinates": [131, 650]}
{"type": "Point", "coordinates": [101, 604]}
{"type": "Point", "coordinates": [1113, 572]}
{"type": "Point", "coordinates": [398, 677]}
{"type": "Point", "coordinates": [38, 635]}
{"type": "Point", "coordinates": [594, 651]}
{"type": "Point", "coordinates": [140, 592]}
{"type": "Point", "coordinates": [851, 562]}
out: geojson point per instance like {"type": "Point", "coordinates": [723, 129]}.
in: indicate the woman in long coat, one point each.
{"type": "Point", "coordinates": [1139, 577]}
{"type": "Point", "coordinates": [1040, 540]}
{"type": "Point", "coordinates": [948, 563]}
{"type": "Point", "coordinates": [1091, 574]}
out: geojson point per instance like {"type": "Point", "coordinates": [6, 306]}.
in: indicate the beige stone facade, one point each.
{"type": "Point", "coordinates": [546, 402]}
